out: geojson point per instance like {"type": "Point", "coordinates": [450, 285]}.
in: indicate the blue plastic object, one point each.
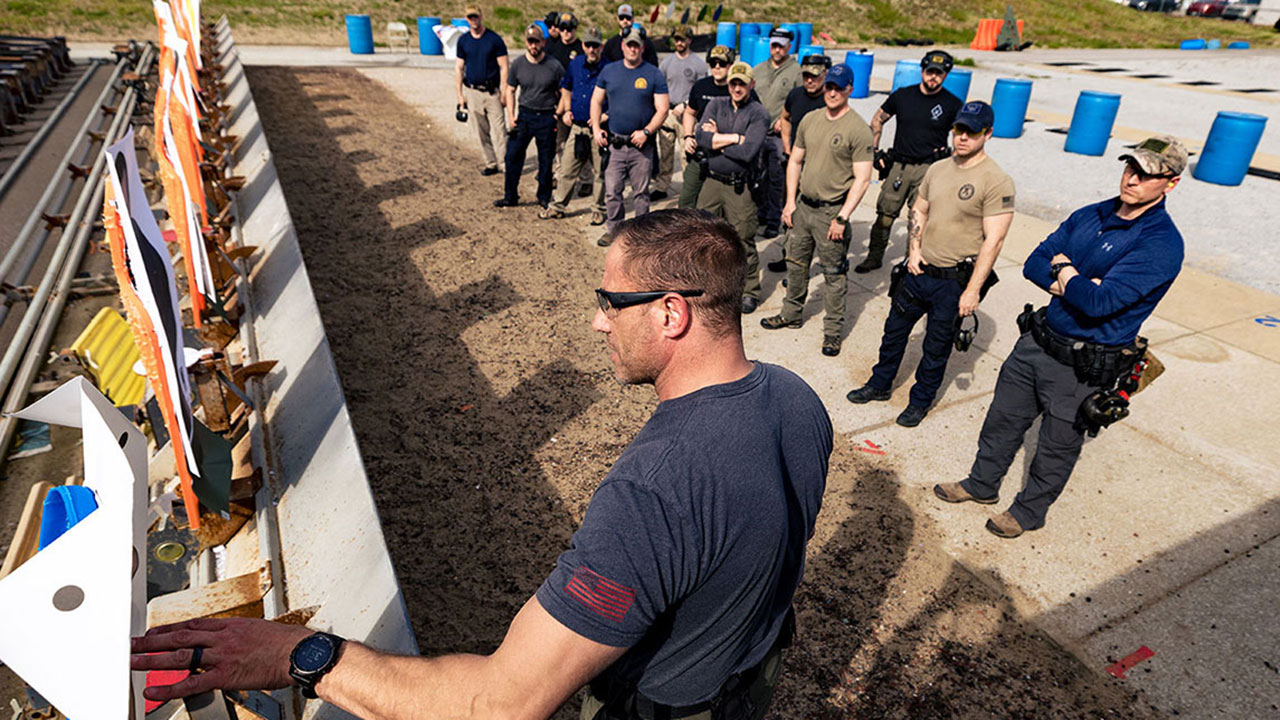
{"type": "Point", "coordinates": [804, 33]}
{"type": "Point", "coordinates": [360, 34]}
{"type": "Point", "coordinates": [906, 73]}
{"type": "Point", "coordinates": [546, 33]}
{"type": "Point", "coordinates": [1227, 153]}
{"type": "Point", "coordinates": [755, 51]}
{"type": "Point", "coordinates": [807, 50]}
{"type": "Point", "coordinates": [745, 31]}
{"type": "Point", "coordinates": [795, 36]}
{"type": "Point", "coordinates": [1238, 45]}
{"type": "Point", "coordinates": [1212, 44]}
{"type": "Point", "coordinates": [1091, 122]}
{"type": "Point", "coordinates": [860, 64]}
{"type": "Point", "coordinates": [64, 506]}
{"type": "Point", "coordinates": [1009, 101]}
{"type": "Point", "coordinates": [460, 22]}
{"type": "Point", "coordinates": [1192, 44]}
{"type": "Point", "coordinates": [957, 83]}
{"type": "Point", "coordinates": [428, 43]}
{"type": "Point", "coordinates": [727, 34]}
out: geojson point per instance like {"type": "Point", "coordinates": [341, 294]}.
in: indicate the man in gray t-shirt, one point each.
{"type": "Point", "coordinates": [681, 70]}
{"type": "Point", "coordinates": [533, 119]}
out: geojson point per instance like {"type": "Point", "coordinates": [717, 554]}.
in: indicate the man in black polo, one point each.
{"type": "Point", "coordinates": [480, 75]}
{"type": "Point", "coordinates": [613, 48]}
{"type": "Point", "coordinates": [538, 78]}
{"type": "Point", "coordinates": [924, 114]}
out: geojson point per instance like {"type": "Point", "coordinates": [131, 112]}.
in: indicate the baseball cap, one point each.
{"type": "Point", "coordinates": [533, 31]}
{"type": "Point", "coordinates": [592, 35]}
{"type": "Point", "coordinates": [625, 11]}
{"type": "Point", "coordinates": [840, 75]}
{"type": "Point", "coordinates": [552, 19]}
{"type": "Point", "coordinates": [723, 53]}
{"type": "Point", "coordinates": [567, 20]}
{"type": "Point", "coordinates": [937, 60]}
{"type": "Point", "coordinates": [1159, 155]}
{"type": "Point", "coordinates": [781, 36]}
{"type": "Point", "coordinates": [683, 31]}
{"type": "Point", "coordinates": [741, 71]}
{"type": "Point", "coordinates": [633, 36]}
{"type": "Point", "coordinates": [975, 115]}
{"type": "Point", "coordinates": [471, 10]}
{"type": "Point", "coordinates": [815, 64]}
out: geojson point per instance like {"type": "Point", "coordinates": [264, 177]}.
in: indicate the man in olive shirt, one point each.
{"type": "Point", "coordinates": [775, 78]}
{"type": "Point", "coordinates": [800, 102]}
{"type": "Point", "coordinates": [829, 171]}
{"type": "Point", "coordinates": [731, 133]}
{"type": "Point", "coordinates": [955, 231]}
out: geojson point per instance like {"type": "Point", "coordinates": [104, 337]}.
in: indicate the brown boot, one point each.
{"type": "Point", "coordinates": [955, 493]}
{"type": "Point", "coordinates": [1004, 525]}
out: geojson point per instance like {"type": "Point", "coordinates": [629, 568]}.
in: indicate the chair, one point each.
{"type": "Point", "coordinates": [397, 32]}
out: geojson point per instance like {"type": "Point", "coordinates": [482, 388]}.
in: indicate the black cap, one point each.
{"type": "Point", "coordinates": [976, 116]}
{"type": "Point", "coordinates": [552, 19]}
{"type": "Point", "coordinates": [937, 59]}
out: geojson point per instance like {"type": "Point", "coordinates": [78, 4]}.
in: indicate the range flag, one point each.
{"type": "Point", "coordinates": [715, 17]}
{"type": "Point", "coordinates": [702, 14]}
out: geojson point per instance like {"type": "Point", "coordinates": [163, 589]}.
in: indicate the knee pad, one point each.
{"type": "Point", "coordinates": [884, 221]}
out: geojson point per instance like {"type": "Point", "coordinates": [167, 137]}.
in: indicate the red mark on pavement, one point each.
{"type": "Point", "coordinates": [871, 448]}
{"type": "Point", "coordinates": [1119, 669]}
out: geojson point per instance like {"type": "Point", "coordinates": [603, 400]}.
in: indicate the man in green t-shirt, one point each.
{"type": "Point", "coordinates": [828, 173]}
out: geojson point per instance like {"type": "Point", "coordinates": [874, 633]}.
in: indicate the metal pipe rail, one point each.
{"type": "Point", "coordinates": [33, 220]}
{"type": "Point", "coordinates": [45, 310]}
{"type": "Point", "coordinates": [33, 144]}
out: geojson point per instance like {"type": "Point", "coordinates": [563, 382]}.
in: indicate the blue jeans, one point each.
{"type": "Point", "coordinates": [918, 295]}
{"type": "Point", "coordinates": [539, 128]}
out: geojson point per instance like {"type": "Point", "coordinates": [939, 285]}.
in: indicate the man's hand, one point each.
{"type": "Point", "coordinates": [787, 211]}
{"type": "Point", "coordinates": [968, 302]}
{"type": "Point", "coordinates": [1059, 258]}
{"type": "Point", "coordinates": [777, 125]}
{"type": "Point", "coordinates": [690, 145]}
{"type": "Point", "coordinates": [239, 654]}
{"type": "Point", "coordinates": [511, 121]}
{"type": "Point", "coordinates": [567, 118]}
{"type": "Point", "coordinates": [835, 232]}
{"type": "Point", "coordinates": [638, 138]}
{"type": "Point", "coordinates": [1059, 286]}
{"type": "Point", "coordinates": [914, 260]}
{"type": "Point", "coordinates": [602, 138]}
{"type": "Point", "coordinates": [709, 126]}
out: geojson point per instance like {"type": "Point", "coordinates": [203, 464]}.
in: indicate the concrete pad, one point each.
{"type": "Point", "coordinates": [1258, 335]}
{"type": "Point", "coordinates": [1188, 302]}
{"type": "Point", "coordinates": [1215, 646]}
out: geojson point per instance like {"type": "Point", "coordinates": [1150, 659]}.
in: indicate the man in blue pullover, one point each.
{"type": "Point", "coordinates": [1106, 266]}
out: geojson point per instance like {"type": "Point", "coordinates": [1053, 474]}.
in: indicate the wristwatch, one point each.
{"type": "Point", "coordinates": [312, 659]}
{"type": "Point", "coordinates": [843, 220]}
{"type": "Point", "coordinates": [1056, 268]}
{"type": "Point", "coordinates": [646, 132]}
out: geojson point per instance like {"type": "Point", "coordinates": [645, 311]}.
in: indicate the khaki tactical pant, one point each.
{"type": "Point", "coordinates": [487, 115]}
{"type": "Point", "coordinates": [667, 150]}
{"type": "Point", "coordinates": [562, 134]}
{"type": "Point", "coordinates": [810, 233]}
{"type": "Point", "coordinates": [739, 210]}
{"type": "Point", "coordinates": [571, 167]}
{"type": "Point", "coordinates": [898, 190]}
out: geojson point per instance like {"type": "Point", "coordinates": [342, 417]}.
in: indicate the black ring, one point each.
{"type": "Point", "coordinates": [197, 653]}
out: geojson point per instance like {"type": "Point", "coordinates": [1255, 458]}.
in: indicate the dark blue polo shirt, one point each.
{"type": "Point", "coordinates": [580, 81]}
{"type": "Point", "coordinates": [480, 57]}
{"type": "Point", "coordinates": [1137, 260]}
{"type": "Point", "coordinates": [630, 92]}
{"type": "Point", "coordinates": [693, 545]}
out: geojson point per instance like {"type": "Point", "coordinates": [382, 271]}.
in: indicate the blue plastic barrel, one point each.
{"type": "Point", "coordinates": [860, 64]}
{"type": "Point", "coordinates": [745, 31]}
{"type": "Point", "coordinates": [957, 83]}
{"type": "Point", "coordinates": [1193, 44]}
{"type": "Point", "coordinates": [1091, 122]}
{"type": "Point", "coordinates": [1229, 150]}
{"type": "Point", "coordinates": [727, 34]}
{"type": "Point", "coordinates": [64, 506]}
{"type": "Point", "coordinates": [1212, 44]}
{"type": "Point", "coordinates": [906, 73]}
{"type": "Point", "coordinates": [546, 33]}
{"type": "Point", "coordinates": [755, 51]}
{"type": "Point", "coordinates": [795, 36]}
{"type": "Point", "coordinates": [807, 50]}
{"type": "Point", "coordinates": [428, 43]}
{"type": "Point", "coordinates": [804, 33]}
{"type": "Point", "coordinates": [460, 22]}
{"type": "Point", "coordinates": [360, 34]}
{"type": "Point", "coordinates": [1009, 101]}
{"type": "Point", "coordinates": [1238, 45]}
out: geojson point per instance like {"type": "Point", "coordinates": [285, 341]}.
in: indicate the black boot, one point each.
{"type": "Point", "coordinates": [877, 243]}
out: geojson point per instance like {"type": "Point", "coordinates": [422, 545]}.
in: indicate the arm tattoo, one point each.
{"type": "Point", "coordinates": [915, 231]}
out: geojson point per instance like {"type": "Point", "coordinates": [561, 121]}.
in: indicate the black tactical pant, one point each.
{"type": "Point", "coordinates": [1031, 383]}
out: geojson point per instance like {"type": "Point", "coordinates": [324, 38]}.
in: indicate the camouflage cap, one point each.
{"type": "Point", "coordinates": [1159, 155]}
{"type": "Point", "coordinates": [815, 64]}
{"type": "Point", "coordinates": [633, 37]}
{"type": "Point", "coordinates": [741, 72]}
{"type": "Point", "coordinates": [683, 31]}
{"type": "Point", "coordinates": [533, 32]}
{"type": "Point", "coordinates": [723, 53]}
{"type": "Point", "coordinates": [592, 35]}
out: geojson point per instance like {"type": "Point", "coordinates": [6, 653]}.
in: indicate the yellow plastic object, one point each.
{"type": "Point", "coordinates": [106, 348]}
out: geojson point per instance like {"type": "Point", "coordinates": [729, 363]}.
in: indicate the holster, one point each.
{"type": "Point", "coordinates": [582, 146]}
{"type": "Point", "coordinates": [896, 273]}
{"type": "Point", "coordinates": [966, 267]}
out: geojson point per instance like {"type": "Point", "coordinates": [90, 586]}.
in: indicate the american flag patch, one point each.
{"type": "Point", "coordinates": [600, 595]}
{"type": "Point", "coordinates": [1007, 201]}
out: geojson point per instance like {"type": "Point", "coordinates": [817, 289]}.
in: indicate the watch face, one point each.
{"type": "Point", "coordinates": [313, 653]}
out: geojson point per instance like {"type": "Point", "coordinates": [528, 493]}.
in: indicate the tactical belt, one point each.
{"type": "Point", "coordinates": [487, 87]}
{"type": "Point", "coordinates": [819, 203]}
{"type": "Point", "coordinates": [932, 157]}
{"type": "Point", "coordinates": [727, 179]}
{"type": "Point", "coordinates": [1094, 363]}
{"type": "Point", "coordinates": [947, 273]}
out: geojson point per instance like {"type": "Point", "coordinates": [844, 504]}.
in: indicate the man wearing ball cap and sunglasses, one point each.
{"type": "Point", "coordinates": [1105, 269]}
{"type": "Point", "coordinates": [955, 231]}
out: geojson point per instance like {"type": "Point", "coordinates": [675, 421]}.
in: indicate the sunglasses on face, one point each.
{"type": "Point", "coordinates": [619, 300]}
{"type": "Point", "coordinates": [962, 130]}
{"type": "Point", "coordinates": [1144, 176]}
{"type": "Point", "coordinates": [832, 87]}
{"type": "Point", "coordinates": [473, 17]}
{"type": "Point", "coordinates": [717, 63]}
{"type": "Point", "coordinates": [591, 46]}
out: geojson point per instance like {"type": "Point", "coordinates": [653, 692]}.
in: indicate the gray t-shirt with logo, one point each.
{"type": "Point", "coordinates": [681, 74]}
{"type": "Point", "coordinates": [539, 82]}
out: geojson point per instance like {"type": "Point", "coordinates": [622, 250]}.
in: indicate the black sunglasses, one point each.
{"type": "Point", "coordinates": [1143, 175]}
{"type": "Point", "coordinates": [591, 45]}
{"type": "Point", "coordinates": [619, 300]}
{"type": "Point", "coordinates": [717, 63]}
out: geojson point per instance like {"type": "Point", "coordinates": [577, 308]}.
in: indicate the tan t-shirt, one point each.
{"type": "Point", "coordinates": [831, 147]}
{"type": "Point", "coordinates": [959, 198]}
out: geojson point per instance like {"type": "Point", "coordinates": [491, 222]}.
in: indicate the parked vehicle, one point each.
{"type": "Point", "coordinates": [1207, 8]}
{"type": "Point", "coordinates": [1241, 10]}
{"type": "Point", "coordinates": [1155, 5]}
